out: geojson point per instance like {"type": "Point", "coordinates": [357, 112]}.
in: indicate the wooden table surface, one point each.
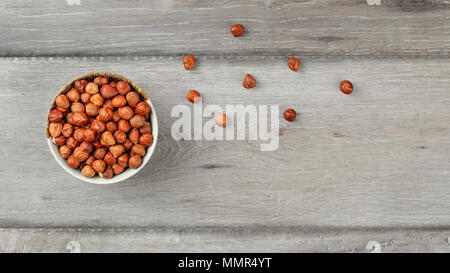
{"type": "Point", "coordinates": [359, 173]}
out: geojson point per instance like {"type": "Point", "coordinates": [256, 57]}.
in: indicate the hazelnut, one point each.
{"type": "Point", "coordinates": [90, 160]}
{"type": "Point", "coordinates": [105, 114]}
{"type": "Point", "coordinates": [99, 165]}
{"type": "Point", "coordinates": [127, 144]}
{"type": "Point", "coordinates": [99, 153]}
{"type": "Point", "coordinates": [59, 141]}
{"type": "Point", "coordinates": [135, 161]}
{"type": "Point", "coordinates": [249, 81]}
{"type": "Point", "coordinates": [71, 143]}
{"type": "Point", "coordinates": [113, 84]}
{"type": "Point", "coordinates": [119, 101]}
{"type": "Point", "coordinates": [346, 87]}
{"type": "Point", "coordinates": [146, 139]}
{"type": "Point", "coordinates": [134, 136]}
{"type": "Point", "coordinates": [108, 91]}
{"type": "Point", "coordinates": [101, 80]}
{"type": "Point", "coordinates": [108, 173]}
{"type": "Point", "coordinates": [142, 108]}
{"type": "Point", "coordinates": [72, 162]}
{"type": "Point", "coordinates": [124, 126]}
{"type": "Point", "coordinates": [65, 151]}
{"type": "Point", "coordinates": [108, 103]}
{"type": "Point", "coordinates": [237, 30]}
{"type": "Point", "coordinates": [97, 144]}
{"type": "Point", "coordinates": [107, 139]}
{"type": "Point", "coordinates": [138, 149]}
{"type": "Point", "coordinates": [89, 135]}
{"type": "Point", "coordinates": [77, 107]}
{"type": "Point", "coordinates": [189, 62]}
{"type": "Point", "coordinates": [88, 171]}
{"type": "Point", "coordinates": [80, 155]}
{"type": "Point", "coordinates": [193, 96]}
{"type": "Point", "coordinates": [221, 120]}
{"type": "Point", "coordinates": [55, 128]}
{"type": "Point", "coordinates": [78, 134]}
{"type": "Point", "coordinates": [117, 150]}
{"type": "Point", "coordinates": [85, 97]}
{"type": "Point", "coordinates": [146, 129]}
{"type": "Point", "coordinates": [62, 101]}
{"type": "Point", "coordinates": [123, 160]}
{"type": "Point", "coordinates": [55, 116]}
{"type": "Point", "coordinates": [117, 169]}
{"type": "Point", "coordinates": [126, 112]}
{"type": "Point", "coordinates": [98, 125]}
{"type": "Point", "coordinates": [115, 116]}
{"type": "Point", "coordinates": [67, 130]}
{"type": "Point", "coordinates": [137, 121]}
{"type": "Point", "coordinates": [79, 119]}
{"type": "Point", "coordinates": [133, 99]}
{"type": "Point", "coordinates": [80, 85]}
{"type": "Point", "coordinates": [64, 111]}
{"type": "Point", "coordinates": [91, 88]}
{"type": "Point", "coordinates": [111, 126]}
{"type": "Point", "coordinates": [86, 147]}
{"type": "Point", "coordinates": [120, 136]}
{"type": "Point", "coordinates": [123, 87]}
{"type": "Point", "coordinates": [109, 159]}
{"type": "Point", "coordinates": [97, 99]}
{"type": "Point", "coordinates": [73, 95]}
{"type": "Point", "coordinates": [289, 115]}
{"type": "Point", "coordinates": [92, 109]}
{"type": "Point", "coordinates": [294, 63]}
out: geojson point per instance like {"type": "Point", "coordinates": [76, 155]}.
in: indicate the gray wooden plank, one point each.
{"type": "Point", "coordinates": [201, 27]}
{"type": "Point", "coordinates": [377, 158]}
{"type": "Point", "coordinates": [222, 240]}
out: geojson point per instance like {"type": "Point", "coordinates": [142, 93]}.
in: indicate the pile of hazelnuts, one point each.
{"type": "Point", "coordinates": [250, 82]}
{"type": "Point", "coordinates": [101, 127]}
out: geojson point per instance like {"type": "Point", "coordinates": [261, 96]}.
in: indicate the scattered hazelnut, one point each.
{"type": "Point", "coordinates": [108, 173]}
{"type": "Point", "coordinates": [294, 63]}
{"type": "Point", "coordinates": [126, 112]}
{"type": "Point", "coordinates": [92, 109]}
{"type": "Point", "coordinates": [101, 80]}
{"type": "Point", "coordinates": [97, 99]}
{"type": "Point", "coordinates": [55, 128]}
{"type": "Point", "coordinates": [111, 126]}
{"type": "Point", "coordinates": [138, 149]}
{"type": "Point", "coordinates": [77, 107]}
{"type": "Point", "coordinates": [67, 130]}
{"type": "Point", "coordinates": [134, 136]}
{"type": "Point", "coordinates": [146, 139]}
{"type": "Point", "coordinates": [142, 108]}
{"type": "Point", "coordinates": [72, 162]}
{"type": "Point", "coordinates": [85, 97]}
{"type": "Point", "coordinates": [123, 160]}
{"type": "Point", "coordinates": [108, 103]}
{"type": "Point", "coordinates": [86, 147]}
{"type": "Point", "coordinates": [249, 81]}
{"type": "Point", "coordinates": [73, 95]}
{"type": "Point", "coordinates": [120, 136]}
{"type": "Point", "coordinates": [71, 143]}
{"type": "Point", "coordinates": [99, 153]}
{"type": "Point", "coordinates": [290, 115]}
{"type": "Point", "coordinates": [107, 139]}
{"type": "Point", "coordinates": [193, 96]}
{"type": "Point", "coordinates": [127, 144]}
{"type": "Point", "coordinates": [59, 141]}
{"type": "Point", "coordinates": [79, 119]}
{"type": "Point", "coordinates": [123, 87]}
{"type": "Point", "coordinates": [80, 155]}
{"type": "Point", "coordinates": [62, 101]}
{"type": "Point", "coordinates": [146, 129]}
{"type": "Point", "coordinates": [65, 151]}
{"type": "Point", "coordinates": [221, 120]}
{"type": "Point", "coordinates": [91, 88]}
{"type": "Point", "coordinates": [99, 165]}
{"type": "Point", "coordinates": [80, 85]}
{"type": "Point", "coordinates": [90, 160]}
{"type": "Point", "coordinates": [78, 134]}
{"type": "Point", "coordinates": [119, 101]}
{"type": "Point", "coordinates": [132, 99]}
{"type": "Point", "coordinates": [117, 169]}
{"type": "Point", "coordinates": [135, 161]}
{"type": "Point", "coordinates": [123, 125]}
{"type": "Point", "coordinates": [117, 150]}
{"type": "Point", "coordinates": [55, 115]}
{"type": "Point", "coordinates": [346, 87]}
{"type": "Point", "coordinates": [237, 30]}
{"type": "Point", "coordinates": [137, 121]}
{"type": "Point", "coordinates": [88, 171]}
{"type": "Point", "coordinates": [89, 135]}
{"type": "Point", "coordinates": [108, 91]}
{"type": "Point", "coordinates": [105, 114]}
{"type": "Point", "coordinates": [189, 62]}
{"type": "Point", "coordinates": [98, 125]}
{"type": "Point", "coordinates": [116, 116]}
{"type": "Point", "coordinates": [109, 159]}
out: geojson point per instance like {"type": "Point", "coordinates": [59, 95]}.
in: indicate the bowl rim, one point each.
{"type": "Point", "coordinates": [127, 173]}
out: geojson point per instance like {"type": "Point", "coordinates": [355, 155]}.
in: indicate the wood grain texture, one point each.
{"type": "Point", "coordinates": [377, 158]}
{"type": "Point", "coordinates": [222, 240]}
{"type": "Point", "coordinates": [176, 27]}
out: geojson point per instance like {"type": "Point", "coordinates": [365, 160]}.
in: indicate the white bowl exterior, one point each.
{"type": "Point", "coordinates": [116, 178]}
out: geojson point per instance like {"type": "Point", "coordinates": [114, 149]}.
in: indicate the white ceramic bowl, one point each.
{"type": "Point", "coordinates": [128, 172]}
